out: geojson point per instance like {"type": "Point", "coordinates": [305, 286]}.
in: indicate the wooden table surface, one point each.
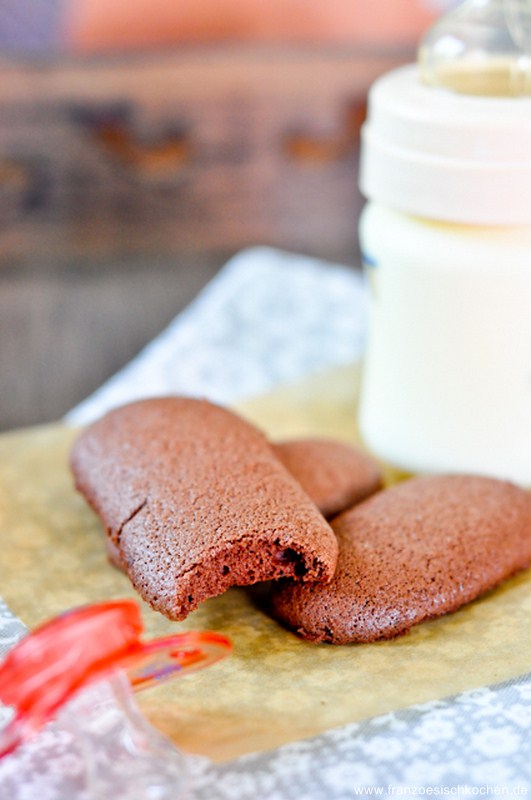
{"type": "Point", "coordinates": [65, 329]}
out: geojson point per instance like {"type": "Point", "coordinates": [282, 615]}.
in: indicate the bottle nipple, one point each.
{"type": "Point", "coordinates": [482, 47]}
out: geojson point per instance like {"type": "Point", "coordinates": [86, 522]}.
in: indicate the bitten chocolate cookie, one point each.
{"type": "Point", "coordinates": [418, 550]}
{"type": "Point", "coordinates": [335, 475]}
{"type": "Point", "coordinates": [194, 501]}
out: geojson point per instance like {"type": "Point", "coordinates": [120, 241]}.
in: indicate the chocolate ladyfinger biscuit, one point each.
{"type": "Point", "coordinates": [194, 501]}
{"type": "Point", "coordinates": [418, 550]}
{"type": "Point", "coordinates": [335, 475]}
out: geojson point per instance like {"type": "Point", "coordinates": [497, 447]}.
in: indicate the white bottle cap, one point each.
{"type": "Point", "coordinates": [447, 156]}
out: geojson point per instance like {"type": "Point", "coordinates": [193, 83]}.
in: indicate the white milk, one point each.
{"type": "Point", "coordinates": [447, 379]}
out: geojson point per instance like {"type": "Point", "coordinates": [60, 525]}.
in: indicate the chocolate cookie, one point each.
{"type": "Point", "coordinates": [333, 474]}
{"type": "Point", "coordinates": [418, 550]}
{"type": "Point", "coordinates": [194, 501]}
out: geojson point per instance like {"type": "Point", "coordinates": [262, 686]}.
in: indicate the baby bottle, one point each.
{"type": "Point", "coordinates": [446, 239]}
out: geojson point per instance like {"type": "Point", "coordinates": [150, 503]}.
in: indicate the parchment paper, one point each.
{"type": "Point", "coordinates": [275, 688]}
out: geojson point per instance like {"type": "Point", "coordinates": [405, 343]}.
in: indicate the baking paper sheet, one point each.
{"type": "Point", "coordinates": [275, 688]}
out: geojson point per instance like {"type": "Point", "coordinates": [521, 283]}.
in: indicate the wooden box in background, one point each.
{"type": "Point", "coordinates": [201, 148]}
{"type": "Point", "coordinates": [125, 182]}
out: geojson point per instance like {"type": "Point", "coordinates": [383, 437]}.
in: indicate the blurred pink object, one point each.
{"type": "Point", "coordinates": [97, 25]}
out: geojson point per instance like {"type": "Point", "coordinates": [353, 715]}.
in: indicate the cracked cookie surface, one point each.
{"type": "Point", "coordinates": [194, 501]}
